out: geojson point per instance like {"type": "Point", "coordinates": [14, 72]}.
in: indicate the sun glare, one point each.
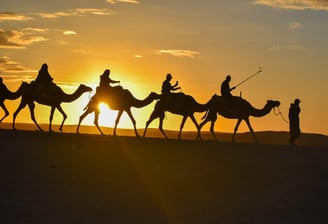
{"type": "Point", "coordinates": [106, 117]}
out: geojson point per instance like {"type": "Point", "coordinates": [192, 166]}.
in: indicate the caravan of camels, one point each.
{"type": "Point", "coordinates": [44, 91]}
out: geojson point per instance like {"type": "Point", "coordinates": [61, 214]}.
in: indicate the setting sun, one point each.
{"type": "Point", "coordinates": [107, 117]}
{"type": "Point", "coordinates": [80, 39]}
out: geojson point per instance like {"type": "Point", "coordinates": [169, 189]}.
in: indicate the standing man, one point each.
{"type": "Point", "coordinates": [294, 121]}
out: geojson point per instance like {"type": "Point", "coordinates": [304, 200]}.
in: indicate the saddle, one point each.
{"type": "Point", "coordinates": [45, 91]}
{"type": "Point", "coordinates": [173, 99]}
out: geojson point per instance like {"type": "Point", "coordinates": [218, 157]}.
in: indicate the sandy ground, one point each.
{"type": "Point", "coordinates": [87, 178]}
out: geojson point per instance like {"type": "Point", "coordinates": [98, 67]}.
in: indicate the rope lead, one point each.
{"type": "Point", "coordinates": [279, 113]}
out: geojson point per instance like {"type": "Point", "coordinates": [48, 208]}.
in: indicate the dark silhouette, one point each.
{"type": "Point", "coordinates": [242, 110]}
{"type": "Point", "coordinates": [294, 121]}
{"type": "Point", "coordinates": [31, 94]}
{"type": "Point", "coordinates": [167, 87]}
{"type": "Point", "coordinates": [225, 87]}
{"type": "Point", "coordinates": [105, 80]}
{"type": "Point", "coordinates": [116, 98]}
{"type": "Point", "coordinates": [44, 78]}
{"type": "Point", "coordinates": [6, 94]}
{"type": "Point", "coordinates": [176, 103]}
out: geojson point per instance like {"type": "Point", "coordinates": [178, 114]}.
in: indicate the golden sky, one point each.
{"type": "Point", "coordinates": [198, 42]}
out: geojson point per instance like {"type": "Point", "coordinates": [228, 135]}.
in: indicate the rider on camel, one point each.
{"type": "Point", "coordinates": [226, 91]}
{"type": "Point", "coordinates": [167, 95]}
{"type": "Point", "coordinates": [225, 87]}
{"type": "Point", "coordinates": [167, 87]}
{"type": "Point", "coordinates": [105, 81]}
{"type": "Point", "coordinates": [44, 78]}
{"type": "Point", "coordinates": [43, 81]}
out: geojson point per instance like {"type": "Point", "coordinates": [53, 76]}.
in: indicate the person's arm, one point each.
{"type": "Point", "coordinates": [175, 85]}
{"type": "Point", "coordinates": [113, 81]}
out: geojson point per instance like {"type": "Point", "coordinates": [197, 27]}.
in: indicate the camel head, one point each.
{"type": "Point", "coordinates": [155, 96]}
{"type": "Point", "coordinates": [83, 88]}
{"type": "Point", "coordinates": [273, 103]}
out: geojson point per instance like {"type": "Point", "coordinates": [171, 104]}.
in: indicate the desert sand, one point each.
{"type": "Point", "coordinates": [88, 178]}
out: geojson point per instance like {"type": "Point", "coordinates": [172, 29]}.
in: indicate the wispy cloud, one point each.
{"type": "Point", "coordinates": [76, 12]}
{"type": "Point", "coordinates": [6, 16]}
{"type": "Point", "coordinates": [295, 4]}
{"type": "Point", "coordinates": [20, 38]}
{"type": "Point", "coordinates": [295, 26]}
{"type": "Point", "coordinates": [126, 1]}
{"type": "Point", "coordinates": [179, 53]}
{"type": "Point", "coordinates": [290, 47]}
{"type": "Point", "coordinates": [12, 71]}
{"type": "Point", "coordinates": [69, 32]}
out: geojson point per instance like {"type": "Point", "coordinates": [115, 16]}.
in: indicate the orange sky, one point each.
{"type": "Point", "coordinates": [198, 42]}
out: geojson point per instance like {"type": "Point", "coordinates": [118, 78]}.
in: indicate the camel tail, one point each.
{"type": "Point", "coordinates": [205, 115]}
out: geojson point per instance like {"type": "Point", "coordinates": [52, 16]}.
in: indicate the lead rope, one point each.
{"type": "Point", "coordinates": [279, 113]}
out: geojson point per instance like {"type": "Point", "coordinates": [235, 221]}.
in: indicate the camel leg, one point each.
{"type": "Point", "coordinates": [2, 105]}
{"type": "Point", "coordinates": [52, 111]}
{"type": "Point", "coordinates": [200, 128]}
{"type": "Point", "coordinates": [133, 122]}
{"type": "Point", "coordinates": [212, 129]}
{"type": "Point", "coordinates": [251, 129]}
{"type": "Point", "coordinates": [192, 117]}
{"type": "Point", "coordinates": [88, 111]}
{"type": "Point", "coordinates": [117, 120]}
{"type": "Point", "coordinates": [235, 130]}
{"type": "Point", "coordinates": [212, 117]}
{"type": "Point", "coordinates": [31, 106]}
{"type": "Point", "coordinates": [152, 117]}
{"type": "Point", "coordinates": [161, 118]}
{"type": "Point", "coordinates": [19, 108]}
{"type": "Point", "coordinates": [60, 109]}
{"type": "Point", "coordinates": [96, 122]}
{"type": "Point", "coordinates": [182, 125]}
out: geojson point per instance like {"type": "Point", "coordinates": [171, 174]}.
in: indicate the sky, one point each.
{"type": "Point", "coordinates": [198, 42]}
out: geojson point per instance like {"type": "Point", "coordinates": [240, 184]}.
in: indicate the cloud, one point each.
{"type": "Point", "coordinates": [295, 4]}
{"type": "Point", "coordinates": [179, 53]}
{"type": "Point", "coordinates": [5, 16]}
{"type": "Point", "coordinates": [76, 12]}
{"type": "Point", "coordinates": [294, 25]}
{"type": "Point", "coordinates": [125, 1]}
{"type": "Point", "coordinates": [290, 47]}
{"type": "Point", "coordinates": [12, 71]}
{"type": "Point", "coordinates": [20, 38]}
{"type": "Point", "coordinates": [69, 32]}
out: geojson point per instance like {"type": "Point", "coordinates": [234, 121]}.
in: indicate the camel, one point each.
{"type": "Point", "coordinates": [235, 108]}
{"type": "Point", "coordinates": [118, 99]}
{"type": "Point", "coordinates": [6, 94]}
{"type": "Point", "coordinates": [178, 103]}
{"type": "Point", "coordinates": [52, 97]}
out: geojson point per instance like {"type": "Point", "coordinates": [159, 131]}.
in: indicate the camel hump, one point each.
{"type": "Point", "coordinates": [46, 90]}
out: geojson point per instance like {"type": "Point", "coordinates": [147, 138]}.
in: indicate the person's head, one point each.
{"type": "Point", "coordinates": [168, 76]}
{"type": "Point", "coordinates": [228, 78]}
{"type": "Point", "coordinates": [106, 72]}
{"type": "Point", "coordinates": [44, 67]}
{"type": "Point", "coordinates": [297, 101]}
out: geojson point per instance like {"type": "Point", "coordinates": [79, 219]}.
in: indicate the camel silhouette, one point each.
{"type": "Point", "coordinates": [119, 99]}
{"type": "Point", "coordinates": [234, 108]}
{"type": "Point", "coordinates": [180, 104]}
{"type": "Point", "coordinates": [53, 98]}
{"type": "Point", "coordinates": [6, 94]}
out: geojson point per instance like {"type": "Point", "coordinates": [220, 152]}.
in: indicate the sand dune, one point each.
{"type": "Point", "coordinates": [88, 178]}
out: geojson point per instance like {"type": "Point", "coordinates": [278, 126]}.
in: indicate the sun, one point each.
{"type": "Point", "coordinates": [106, 117]}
